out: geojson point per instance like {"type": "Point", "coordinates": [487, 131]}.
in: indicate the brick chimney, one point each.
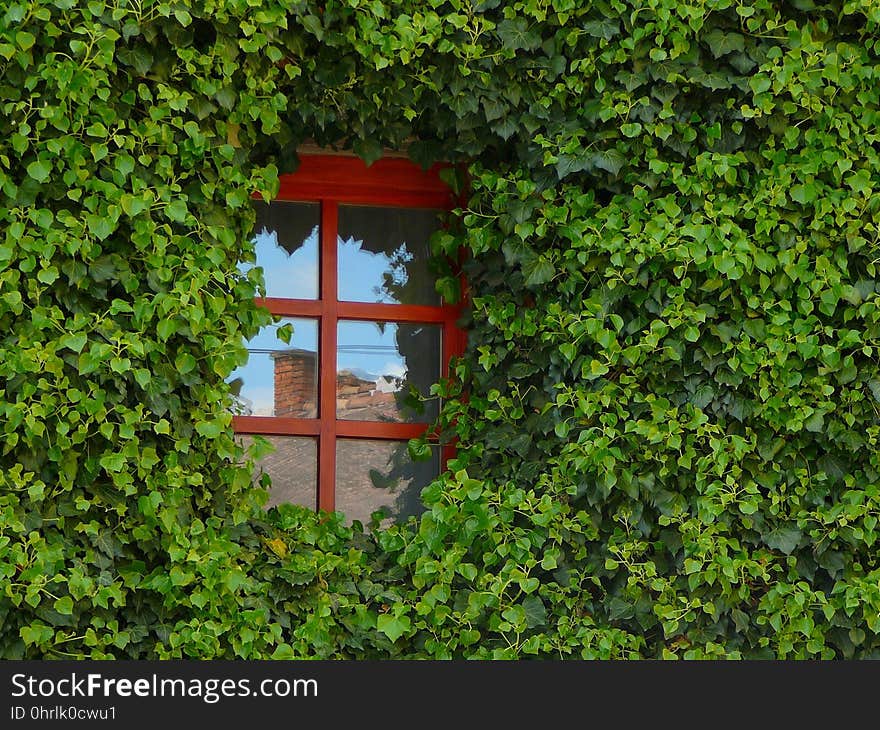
{"type": "Point", "coordinates": [295, 389]}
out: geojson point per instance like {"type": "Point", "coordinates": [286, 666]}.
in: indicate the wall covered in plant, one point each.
{"type": "Point", "coordinates": [668, 414]}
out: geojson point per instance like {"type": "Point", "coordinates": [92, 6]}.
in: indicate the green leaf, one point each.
{"type": "Point", "coordinates": [568, 164]}
{"type": "Point", "coordinates": [368, 150]}
{"type": "Point", "coordinates": [39, 170]}
{"type": "Point", "coordinates": [183, 17]}
{"type": "Point", "coordinates": [516, 35]}
{"type": "Point", "coordinates": [313, 24]}
{"type": "Point", "coordinates": [568, 350]}
{"type": "Point", "coordinates": [536, 611]}
{"type": "Point", "coordinates": [25, 40]}
{"type": "Point", "coordinates": [610, 160]}
{"type": "Point", "coordinates": [803, 193]}
{"type": "Point", "coordinates": [419, 450]}
{"type": "Point", "coordinates": [133, 205]}
{"type": "Point", "coordinates": [176, 211]}
{"type": "Point", "coordinates": [112, 462]}
{"type": "Point", "coordinates": [75, 342]}
{"type": "Point", "coordinates": [36, 634]}
{"type": "Point", "coordinates": [142, 377]}
{"type": "Point", "coordinates": [100, 226]}
{"type": "Point", "coordinates": [784, 539]}
{"type": "Point", "coordinates": [538, 271]}
{"type": "Point", "coordinates": [210, 429]}
{"type": "Point", "coordinates": [393, 626]}
{"type": "Point", "coordinates": [284, 332]}
{"type": "Point", "coordinates": [620, 609]}
{"type": "Point", "coordinates": [283, 652]}
{"type": "Point", "coordinates": [816, 422]}
{"type": "Point", "coordinates": [606, 28]}
{"type": "Point", "coordinates": [64, 605]}
{"type": "Point", "coordinates": [467, 637]}
{"type": "Point", "coordinates": [166, 328]}
{"type": "Point", "coordinates": [185, 363]}
{"type": "Point", "coordinates": [720, 43]}
{"type": "Point", "coordinates": [449, 288]}
{"type": "Point", "coordinates": [47, 275]}
{"type": "Point", "coordinates": [760, 83]}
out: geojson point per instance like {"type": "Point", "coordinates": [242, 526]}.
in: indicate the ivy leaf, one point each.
{"type": "Point", "coordinates": [313, 24]}
{"type": "Point", "coordinates": [36, 633]}
{"type": "Point", "coordinates": [516, 35]}
{"type": "Point", "coordinates": [538, 271]}
{"type": "Point", "coordinates": [760, 83]}
{"type": "Point", "coordinates": [368, 150]}
{"type": "Point", "coordinates": [133, 205]}
{"type": "Point", "coordinates": [610, 160]}
{"type": "Point", "coordinates": [112, 462]}
{"type": "Point", "coordinates": [393, 626]}
{"type": "Point", "coordinates": [620, 609]}
{"type": "Point", "coordinates": [721, 43]}
{"type": "Point", "coordinates": [536, 611]}
{"type": "Point", "coordinates": [449, 288]}
{"type": "Point", "coordinates": [784, 539]}
{"type": "Point", "coordinates": [209, 429]}
{"type": "Point", "coordinates": [283, 652]}
{"type": "Point", "coordinates": [75, 342]}
{"type": "Point", "coordinates": [39, 170]}
{"type": "Point", "coordinates": [176, 210]}
{"type": "Point", "coordinates": [100, 226]}
{"type": "Point", "coordinates": [185, 363]}
{"type": "Point", "coordinates": [606, 28]}
{"type": "Point", "coordinates": [568, 164]}
{"type": "Point", "coordinates": [285, 332]}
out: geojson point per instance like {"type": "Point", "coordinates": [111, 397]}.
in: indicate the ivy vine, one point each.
{"type": "Point", "coordinates": [669, 411]}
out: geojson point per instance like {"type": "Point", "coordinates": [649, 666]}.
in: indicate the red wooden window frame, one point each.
{"type": "Point", "coordinates": [332, 180]}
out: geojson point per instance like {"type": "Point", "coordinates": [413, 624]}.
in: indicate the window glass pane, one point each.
{"type": "Point", "coordinates": [384, 255]}
{"type": "Point", "coordinates": [286, 239]}
{"type": "Point", "coordinates": [372, 475]}
{"type": "Point", "coordinates": [293, 468]}
{"type": "Point", "coordinates": [377, 365]}
{"type": "Point", "coordinates": [279, 379]}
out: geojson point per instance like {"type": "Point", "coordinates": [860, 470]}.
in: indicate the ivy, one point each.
{"type": "Point", "coordinates": [668, 415]}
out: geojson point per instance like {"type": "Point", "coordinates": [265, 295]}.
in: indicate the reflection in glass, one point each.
{"type": "Point", "coordinates": [286, 242]}
{"type": "Point", "coordinates": [293, 468]}
{"type": "Point", "coordinates": [377, 365]}
{"type": "Point", "coordinates": [279, 379]}
{"type": "Point", "coordinates": [384, 255]}
{"type": "Point", "coordinates": [373, 475]}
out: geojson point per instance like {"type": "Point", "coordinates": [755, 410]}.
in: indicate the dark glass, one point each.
{"type": "Point", "coordinates": [373, 475]}
{"type": "Point", "coordinates": [293, 468]}
{"type": "Point", "coordinates": [383, 255]}
{"type": "Point", "coordinates": [377, 365]}
{"type": "Point", "coordinates": [286, 240]}
{"type": "Point", "coordinates": [279, 379]}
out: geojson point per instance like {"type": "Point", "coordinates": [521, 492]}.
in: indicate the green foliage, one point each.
{"type": "Point", "coordinates": [669, 442]}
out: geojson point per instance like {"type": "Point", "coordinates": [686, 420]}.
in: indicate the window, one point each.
{"type": "Point", "coordinates": [346, 259]}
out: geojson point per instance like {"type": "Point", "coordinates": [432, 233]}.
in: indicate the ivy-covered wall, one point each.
{"type": "Point", "coordinates": [668, 414]}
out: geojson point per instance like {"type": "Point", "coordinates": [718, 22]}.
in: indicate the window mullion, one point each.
{"type": "Point", "coordinates": [327, 357]}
